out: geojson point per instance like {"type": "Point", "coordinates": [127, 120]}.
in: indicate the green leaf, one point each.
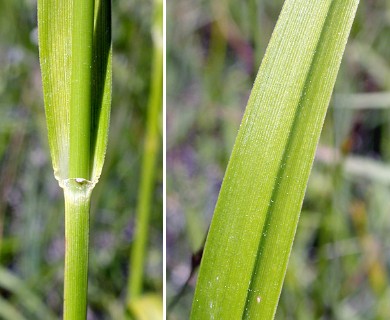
{"type": "Point", "coordinates": [24, 297]}
{"type": "Point", "coordinates": [75, 56]}
{"type": "Point", "coordinates": [8, 311]}
{"type": "Point", "coordinates": [256, 215]}
{"type": "Point", "coordinates": [149, 159]}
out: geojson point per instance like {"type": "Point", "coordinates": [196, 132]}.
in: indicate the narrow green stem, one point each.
{"type": "Point", "coordinates": [77, 204]}
{"type": "Point", "coordinates": [149, 158]}
{"type": "Point", "coordinates": [80, 103]}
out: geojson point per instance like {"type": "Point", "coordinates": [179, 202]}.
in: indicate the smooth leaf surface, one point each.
{"type": "Point", "coordinates": [56, 56]}
{"type": "Point", "coordinates": [256, 215]}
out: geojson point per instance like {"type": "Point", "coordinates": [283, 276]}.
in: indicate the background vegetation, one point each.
{"type": "Point", "coordinates": [31, 203]}
{"type": "Point", "coordinates": [340, 263]}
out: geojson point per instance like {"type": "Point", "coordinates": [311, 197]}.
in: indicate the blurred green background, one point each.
{"type": "Point", "coordinates": [340, 262]}
{"type": "Point", "coordinates": [31, 203]}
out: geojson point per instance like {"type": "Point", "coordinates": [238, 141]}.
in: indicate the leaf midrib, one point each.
{"type": "Point", "coordinates": [283, 160]}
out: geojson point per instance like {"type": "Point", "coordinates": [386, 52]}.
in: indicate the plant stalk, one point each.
{"type": "Point", "coordinates": [75, 56]}
{"type": "Point", "coordinates": [150, 152]}
{"type": "Point", "coordinates": [77, 206]}
{"type": "Point", "coordinates": [81, 89]}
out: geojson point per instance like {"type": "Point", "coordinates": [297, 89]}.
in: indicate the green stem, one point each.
{"type": "Point", "coordinates": [80, 101]}
{"type": "Point", "coordinates": [77, 204]}
{"type": "Point", "coordinates": [151, 146]}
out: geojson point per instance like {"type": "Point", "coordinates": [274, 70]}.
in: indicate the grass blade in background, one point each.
{"type": "Point", "coordinates": [256, 215]}
{"type": "Point", "coordinates": [26, 299]}
{"type": "Point", "coordinates": [149, 160]}
{"type": "Point", "coordinates": [8, 311]}
{"type": "Point", "coordinates": [75, 56]}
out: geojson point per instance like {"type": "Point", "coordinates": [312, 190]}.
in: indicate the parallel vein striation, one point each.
{"type": "Point", "coordinates": [296, 161]}
{"type": "Point", "coordinates": [256, 215]}
{"type": "Point", "coordinates": [55, 51]}
{"type": "Point", "coordinates": [101, 86]}
{"type": "Point", "coordinates": [75, 56]}
{"type": "Point", "coordinates": [77, 115]}
{"type": "Point", "coordinates": [81, 89]}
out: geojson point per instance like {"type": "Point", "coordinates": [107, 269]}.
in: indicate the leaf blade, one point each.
{"type": "Point", "coordinates": [270, 164]}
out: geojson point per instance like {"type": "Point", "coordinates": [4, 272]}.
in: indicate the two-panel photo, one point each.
{"type": "Point", "coordinates": [201, 160]}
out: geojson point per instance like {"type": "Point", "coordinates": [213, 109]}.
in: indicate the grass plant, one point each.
{"type": "Point", "coordinates": [261, 197]}
{"type": "Point", "coordinates": [139, 304]}
{"type": "Point", "coordinates": [327, 274]}
{"type": "Point", "coordinates": [247, 197]}
{"type": "Point", "coordinates": [32, 205]}
{"type": "Point", "coordinates": [149, 159]}
{"type": "Point", "coordinates": [75, 56]}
